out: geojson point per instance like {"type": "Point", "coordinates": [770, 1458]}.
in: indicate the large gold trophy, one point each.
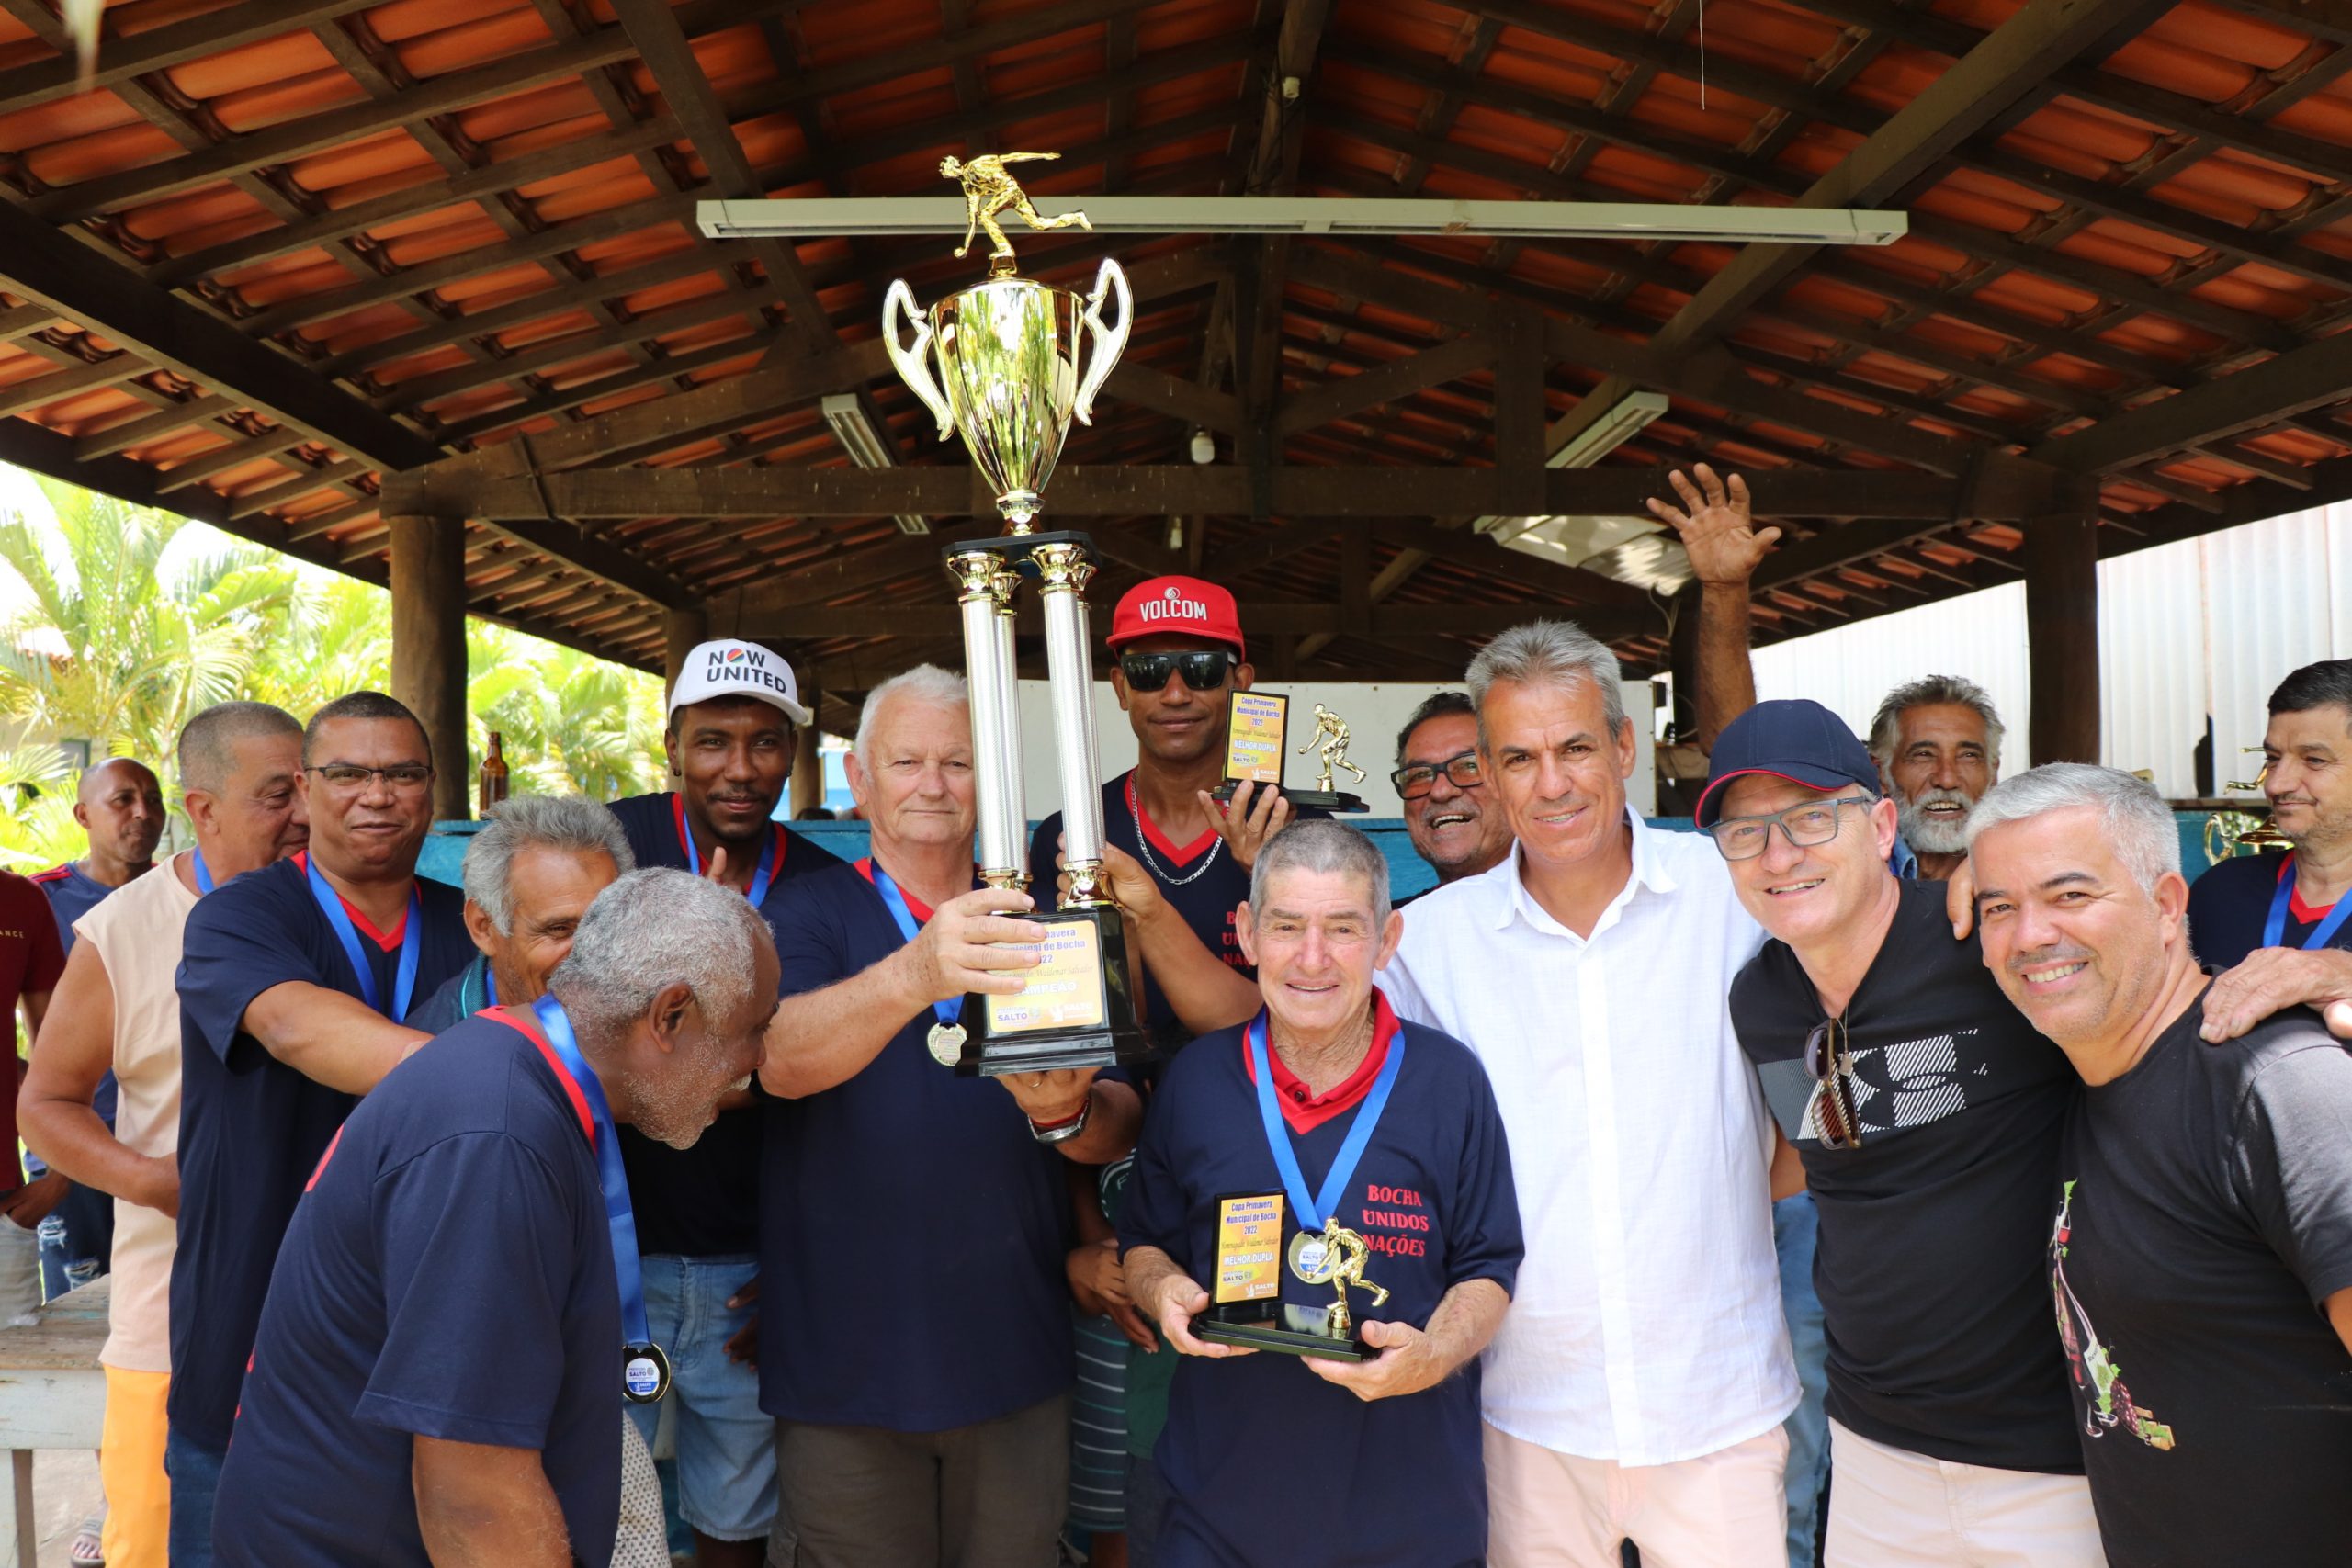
{"type": "Point", "coordinates": [1000, 362]}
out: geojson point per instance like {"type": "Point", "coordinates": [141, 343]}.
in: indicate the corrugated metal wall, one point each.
{"type": "Point", "coordinates": [2207, 625]}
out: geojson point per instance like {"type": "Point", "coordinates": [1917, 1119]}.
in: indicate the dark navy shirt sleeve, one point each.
{"type": "Point", "coordinates": [239, 944]}
{"type": "Point", "coordinates": [476, 1276]}
{"type": "Point", "coordinates": [1483, 1237]}
{"type": "Point", "coordinates": [1155, 1211]}
{"type": "Point", "coordinates": [2291, 1162]}
{"type": "Point", "coordinates": [810, 946]}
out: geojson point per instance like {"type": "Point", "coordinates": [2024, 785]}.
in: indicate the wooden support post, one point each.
{"type": "Point", "coordinates": [807, 762]}
{"type": "Point", "coordinates": [2061, 637]}
{"type": "Point", "coordinates": [429, 650]}
{"type": "Point", "coordinates": [681, 631]}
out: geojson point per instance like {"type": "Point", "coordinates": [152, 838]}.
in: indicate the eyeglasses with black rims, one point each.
{"type": "Point", "coordinates": [1205, 669]}
{"type": "Point", "coordinates": [1829, 1059]}
{"type": "Point", "coordinates": [346, 777]}
{"type": "Point", "coordinates": [1805, 826]}
{"type": "Point", "coordinates": [1418, 779]}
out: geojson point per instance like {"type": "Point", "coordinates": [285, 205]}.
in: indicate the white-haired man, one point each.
{"type": "Point", "coordinates": [2201, 1258]}
{"type": "Point", "coordinates": [389, 1418]}
{"type": "Point", "coordinates": [1937, 741]}
{"type": "Point", "coordinates": [1638, 1387]}
{"type": "Point", "coordinates": [914, 1322]}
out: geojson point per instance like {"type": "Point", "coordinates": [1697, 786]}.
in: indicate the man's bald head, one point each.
{"type": "Point", "coordinates": [101, 779]}
{"type": "Point", "coordinates": [120, 804]}
{"type": "Point", "coordinates": [207, 748]}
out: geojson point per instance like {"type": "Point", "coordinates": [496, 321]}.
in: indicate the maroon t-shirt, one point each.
{"type": "Point", "coordinates": [31, 958]}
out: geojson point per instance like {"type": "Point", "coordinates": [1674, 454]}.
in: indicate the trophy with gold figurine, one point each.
{"type": "Point", "coordinates": [1245, 1302]}
{"type": "Point", "coordinates": [1256, 735]}
{"type": "Point", "coordinates": [1000, 362]}
{"type": "Point", "coordinates": [2229, 833]}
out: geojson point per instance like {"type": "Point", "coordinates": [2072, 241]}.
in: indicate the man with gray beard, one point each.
{"type": "Point", "coordinates": [1937, 744]}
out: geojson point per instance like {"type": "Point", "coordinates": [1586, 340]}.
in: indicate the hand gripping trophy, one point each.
{"type": "Point", "coordinates": [999, 361]}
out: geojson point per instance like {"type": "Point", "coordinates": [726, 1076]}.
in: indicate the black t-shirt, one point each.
{"type": "Point", "coordinates": [1930, 1265]}
{"type": "Point", "coordinates": [702, 1201]}
{"type": "Point", "coordinates": [2206, 1212]}
{"type": "Point", "coordinates": [2228, 903]}
{"type": "Point", "coordinates": [449, 1275]}
{"type": "Point", "coordinates": [1201, 881]}
{"type": "Point", "coordinates": [252, 1128]}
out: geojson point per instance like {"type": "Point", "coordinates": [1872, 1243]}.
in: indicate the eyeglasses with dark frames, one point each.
{"type": "Point", "coordinates": [350, 776]}
{"type": "Point", "coordinates": [1829, 1060]}
{"type": "Point", "coordinates": [1805, 826]}
{"type": "Point", "coordinates": [1418, 779]}
{"type": "Point", "coordinates": [1205, 669]}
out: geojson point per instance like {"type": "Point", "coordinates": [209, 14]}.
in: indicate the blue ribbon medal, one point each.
{"type": "Point", "coordinates": [946, 1036]}
{"type": "Point", "coordinates": [645, 1371]}
{"type": "Point", "coordinates": [1308, 1249]}
{"type": "Point", "coordinates": [2274, 929]}
{"type": "Point", "coordinates": [411, 941]}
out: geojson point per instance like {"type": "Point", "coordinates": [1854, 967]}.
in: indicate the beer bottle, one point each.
{"type": "Point", "coordinates": [493, 774]}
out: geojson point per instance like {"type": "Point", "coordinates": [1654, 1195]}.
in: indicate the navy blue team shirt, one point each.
{"type": "Point", "coordinates": [449, 1275]}
{"type": "Point", "coordinates": [911, 1230]}
{"type": "Point", "coordinates": [251, 1129]}
{"type": "Point", "coordinates": [702, 1201]}
{"type": "Point", "coordinates": [1267, 1464]}
{"type": "Point", "coordinates": [2228, 903]}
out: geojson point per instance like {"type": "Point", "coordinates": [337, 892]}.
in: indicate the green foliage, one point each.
{"type": "Point", "coordinates": [118, 623]}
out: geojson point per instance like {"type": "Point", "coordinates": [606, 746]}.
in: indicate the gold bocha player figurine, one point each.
{"type": "Point", "coordinates": [1330, 742]}
{"type": "Point", "coordinates": [988, 190]}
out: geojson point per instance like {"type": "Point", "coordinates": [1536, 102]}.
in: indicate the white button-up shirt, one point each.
{"type": "Point", "coordinates": [1647, 1327]}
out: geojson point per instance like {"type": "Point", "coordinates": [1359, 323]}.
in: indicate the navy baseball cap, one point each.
{"type": "Point", "coordinates": [1796, 740]}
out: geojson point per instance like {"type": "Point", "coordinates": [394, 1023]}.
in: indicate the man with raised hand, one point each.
{"type": "Point", "coordinates": [914, 1322]}
{"type": "Point", "coordinates": [455, 1315]}
{"type": "Point", "coordinates": [2200, 1261]}
{"type": "Point", "coordinates": [240, 767]}
{"type": "Point", "coordinates": [293, 981]}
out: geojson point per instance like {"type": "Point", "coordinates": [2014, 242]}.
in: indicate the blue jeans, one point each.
{"type": "Point", "coordinates": [1795, 1223]}
{"type": "Point", "coordinates": [75, 1239]}
{"type": "Point", "coordinates": [194, 1473]}
{"type": "Point", "coordinates": [725, 1464]}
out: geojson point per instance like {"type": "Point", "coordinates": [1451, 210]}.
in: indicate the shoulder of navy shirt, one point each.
{"type": "Point", "coordinates": [470, 1164]}
{"type": "Point", "coordinates": [911, 1231]}
{"type": "Point", "coordinates": [252, 1128]}
{"type": "Point", "coordinates": [2228, 903]}
{"type": "Point", "coordinates": [1248, 1437]}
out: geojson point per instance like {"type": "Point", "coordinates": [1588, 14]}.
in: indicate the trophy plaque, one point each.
{"type": "Point", "coordinates": [1245, 1300]}
{"type": "Point", "coordinates": [1256, 728]}
{"type": "Point", "coordinates": [1000, 362]}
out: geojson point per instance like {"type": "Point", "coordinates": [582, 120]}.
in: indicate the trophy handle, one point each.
{"type": "Point", "coordinates": [1109, 340]}
{"type": "Point", "coordinates": [899, 308]}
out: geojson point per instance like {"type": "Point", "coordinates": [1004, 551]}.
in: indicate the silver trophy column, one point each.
{"type": "Point", "coordinates": [1063, 571]}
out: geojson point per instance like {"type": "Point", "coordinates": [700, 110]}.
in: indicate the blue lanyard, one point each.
{"type": "Point", "coordinates": [203, 876]}
{"type": "Point", "coordinates": [1312, 1213]}
{"type": "Point", "coordinates": [763, 875]}
{"type": "Point", "coordinates": [628, 1271]}
{"type": "Point", "coordinates": [2274, 929]}
{"type": "Point", "coordinates": [412, 943]}
{"type": "Point", "coordinates": [948, 1011]}
{"type": "Point", "coordinates": [488, 986]}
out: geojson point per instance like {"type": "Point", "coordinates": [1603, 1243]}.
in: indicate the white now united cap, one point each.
{"type": "Point", "coordinates": [730, 668]}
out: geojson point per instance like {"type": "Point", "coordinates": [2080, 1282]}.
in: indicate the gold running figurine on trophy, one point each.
{"type": "Point", "coordinates": [988, 190]}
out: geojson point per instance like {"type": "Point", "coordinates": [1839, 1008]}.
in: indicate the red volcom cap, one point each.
{"type": "Point", "coordinates": [1180, 606]}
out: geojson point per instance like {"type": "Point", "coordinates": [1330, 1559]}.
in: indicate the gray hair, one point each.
{"type": "Point", "coordinates": [1933, 690]}
{"type": "Point", "coordinates": [208, 741]}
{"type": "Point", "coordinates": [1318, 846]}
{"type": "Point", "coordinates": [924, 682]}
{"type": "Point", "coordinates": [1548, 653]}
{"type": "Point", "coordinates": [571, 823]}
{"type": "Point", "coordinates": [654, 928]}
{"type": "Point", "coordinates": [2138, 822]}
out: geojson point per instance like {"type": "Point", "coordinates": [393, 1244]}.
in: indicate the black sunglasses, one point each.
{"type": "Point", "coordinates": [1203, 670]}
{"type": "Point", "coordinates": [1416, 780]}
{"type": "Point", "coordinates": [1831, 1065]}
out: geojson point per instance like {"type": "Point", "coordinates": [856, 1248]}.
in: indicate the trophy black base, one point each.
{"type": "Point", "coordinates": [1264, 1335]}
{"type": "Point", "coordinates": [1015, 548]}
{"type": "Point", "coordinates": [1321, 799]}
{"type": "Point", "coordinates": [1106, 1034]}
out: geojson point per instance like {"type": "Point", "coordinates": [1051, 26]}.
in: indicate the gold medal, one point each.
{"type": "Point", "coordinates": [947, 1042]}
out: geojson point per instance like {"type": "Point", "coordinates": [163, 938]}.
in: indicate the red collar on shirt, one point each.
{"type": "Point", "coordinates": [1160, 841]}
{"type": "Point", "coordinates": [1307, 1111]}
{"type": "Point", "coordinates": [528, 1027]}
{"type": "Point", "coordinates": [915, 907]}
{"type": "Point", "coordinates": [2301, 913]}
{"type": "Point", "coordinates": [388, 941]}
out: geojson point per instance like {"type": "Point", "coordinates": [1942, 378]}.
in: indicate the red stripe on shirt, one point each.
{"type": "Point", "coordinates": [388, 941]}
{"type": "Point", "coordinates": [572, 1090]}
{"type": "Point", "coordinates": [54, 873]}
{"type": "Point", "coordinates": [915, 907]}
{"type": "Point", "coordinates": [1160, 841]}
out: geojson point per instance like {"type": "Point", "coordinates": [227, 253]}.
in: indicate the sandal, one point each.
{"type": "Point", "coordinates": [88, 1551]}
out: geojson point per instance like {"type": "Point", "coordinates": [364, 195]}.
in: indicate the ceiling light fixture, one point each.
{"type": "Point", "coordinates": [846, 415]}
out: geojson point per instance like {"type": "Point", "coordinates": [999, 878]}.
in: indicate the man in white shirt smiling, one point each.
{"type": "Point", "coordinates": [1637, 1388]}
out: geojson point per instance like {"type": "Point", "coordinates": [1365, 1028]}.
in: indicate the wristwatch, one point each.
{"type": "Point", "coordinates": [1063, 1132]}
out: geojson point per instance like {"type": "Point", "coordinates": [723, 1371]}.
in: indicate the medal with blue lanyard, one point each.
{"type": "Point", "coordinates": [2274, 929]}
{"type": "Point", "coordinates": [1307, 1251]}
{"type": "Point", "coordinates": [203, 873]}
{"type": "Point", "coordinates": [412, 942]}
{"type": "Point", "coordinates": [763, 875]}
{"type": "Point", "coordinates": [946, 1036]}
{"type": "Point", "coordinates": [645, 1369]}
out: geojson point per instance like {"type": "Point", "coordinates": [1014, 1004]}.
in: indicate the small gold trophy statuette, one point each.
{"type": "Point", "coordinates": [1335, 1257]}
{"type": "Point", "coordinates": [988, 190]}
{"type": "Point", "coordinates": [1329, 742]}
